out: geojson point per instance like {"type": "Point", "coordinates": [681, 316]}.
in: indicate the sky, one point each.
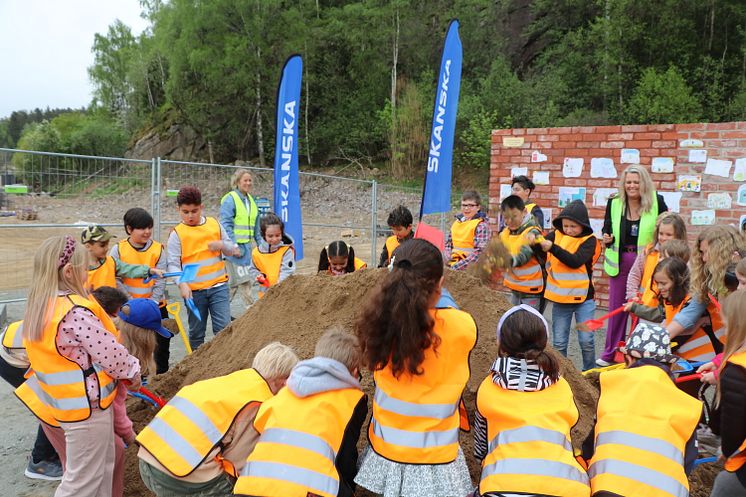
{"type": "Point", "coordinates": [45, 49]}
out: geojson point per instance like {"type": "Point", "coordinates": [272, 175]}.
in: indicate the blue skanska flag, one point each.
{"type": "Point", "coordinates": [287, 189]}
{"type": "Point", "coordinates": [437, 191]}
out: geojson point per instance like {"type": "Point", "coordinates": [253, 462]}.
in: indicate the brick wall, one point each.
{"type": "Point", "coordinates": [722, 141]}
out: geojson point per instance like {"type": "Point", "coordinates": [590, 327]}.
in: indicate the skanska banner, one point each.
{"type": "Point", "coordinates": [286, 182]}
{"type": "Point", "coordinates": [437, 191]}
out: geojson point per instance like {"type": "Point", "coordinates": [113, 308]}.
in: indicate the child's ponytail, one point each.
{"type": "Point", "coordinates": [523, 333]}
{"type": "Point", "coordinates": [547, 362]}
{"type": "Point", "coordinates": [395, 327]}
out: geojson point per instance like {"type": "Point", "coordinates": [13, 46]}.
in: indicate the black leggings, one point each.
{"type": "Point", "coordinates": [43, 450]}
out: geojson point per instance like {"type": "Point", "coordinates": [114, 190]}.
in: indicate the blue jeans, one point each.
{"type": "Point", "coordinates": [217, 302]}
{"type": "Point", "coordinates": [562, 320]}
{"type": "Point", "coordinates": [533, 300]}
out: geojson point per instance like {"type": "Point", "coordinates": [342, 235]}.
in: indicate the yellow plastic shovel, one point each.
{"type": "Point", "coordinates": [174, 308]}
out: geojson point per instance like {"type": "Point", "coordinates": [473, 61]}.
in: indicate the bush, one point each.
{"type": "Point", "coordinates": [662, 98]}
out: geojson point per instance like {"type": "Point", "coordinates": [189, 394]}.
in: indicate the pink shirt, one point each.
{"type": "Point", "coordinates": [82, 338]}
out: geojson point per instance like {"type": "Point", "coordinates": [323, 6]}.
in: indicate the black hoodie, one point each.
{"type": "Point", "coordinates": [577, 212]}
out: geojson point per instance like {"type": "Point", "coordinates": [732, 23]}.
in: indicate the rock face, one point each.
{"type": "Point", "coordinates": [177, 142]}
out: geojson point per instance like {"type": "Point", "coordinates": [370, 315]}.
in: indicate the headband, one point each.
{"type": "Point", "coordinates": [522, 307]}
{"type": "Point", "coordinates": [67, 252]}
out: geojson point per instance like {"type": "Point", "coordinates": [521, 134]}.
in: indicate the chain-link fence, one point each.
{"type": "Point", "coordinates": [45, 194]}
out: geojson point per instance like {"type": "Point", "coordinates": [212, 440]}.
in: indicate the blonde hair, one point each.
{"type": "Point", "coordinates": [676, 248]}
{"type": "Point", "coordinates": [47, 280]}
{"type": "Point", "coordinates": [341, 346]}
{"type": "Point", "coordinates": [274, 361]}
{"type": "Point", "coordinates": [139, 342]}
{"type": "Point", "coordinates": [722, 242]}
{"type": "Point", "coordinates": [647, 190]}
{"type": "Point", "coordinates": [734, 313]}
{"type": "Point", "coordinates": [741, 267]}
{"type": "Point", "coordinates": [238, 175]}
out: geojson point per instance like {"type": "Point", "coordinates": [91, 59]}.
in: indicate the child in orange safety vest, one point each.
{"type": "Point", "coordinates": [644, 442]}
{"type": "Point", "coordinates": [338, 258]}
{"type": "Point", "coordinates": [400, 221]}
{"type": "Point", "coordinates": [309, 430]}
{"type": "Point", "coordinates": [572, 250]}
{"type": "Point", "coordinates": [215, 418]}
{"type": "Point", "coordinates": [417, 343]}
{"type": "Point", "coordinates": [274, 259]}
{"type": "Point", "coordinates": [525, 412]}
{"type": "Point", "coordinates": [525, 277]}
{"type": "Point", "coordinates": [469, 233]}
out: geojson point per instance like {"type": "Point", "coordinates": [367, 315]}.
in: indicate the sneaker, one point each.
{"type": "Point", "coordinates": [43, 470]}
{"type": "Point", "coordinates": [601, 363]}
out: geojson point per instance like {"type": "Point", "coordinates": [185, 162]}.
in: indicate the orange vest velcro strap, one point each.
{"type": "Point", "coordinates": [104, 275]}
{"type": "Point", "coordinates": [13, 336]}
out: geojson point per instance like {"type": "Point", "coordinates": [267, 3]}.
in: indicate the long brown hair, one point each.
{"type": "Point", "coordinates": [140, 342]}
{"type": "Point", "coordinates": [395, 327]}
{"type": "Point", "coordinates": [677, 271]}
{"type": "Point", "coordinates": [524, 336]}
{"type": "Point", "coordinates": [723, 242]}
{"type": "Point", "coordinates": [734, 312]}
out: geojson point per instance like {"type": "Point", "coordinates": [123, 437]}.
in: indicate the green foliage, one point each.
{"type": "Point", "coordinates": [663, 98]}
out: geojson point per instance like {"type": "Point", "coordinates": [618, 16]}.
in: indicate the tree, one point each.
{"type": "Point", "coordinates": [663, 98]}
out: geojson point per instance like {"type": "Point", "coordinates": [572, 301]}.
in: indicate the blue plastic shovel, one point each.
{"type": "Point", "coordinates": [192, 307]}
{"type": "Point", "coordinates": [704, 460]}
{"type": "Point", "coordinates": [187, 274]}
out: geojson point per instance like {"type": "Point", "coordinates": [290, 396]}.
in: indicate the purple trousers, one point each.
{"type": "Point", "coordinates": [617, 325]}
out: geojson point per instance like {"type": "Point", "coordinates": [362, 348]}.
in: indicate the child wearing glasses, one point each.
{"type": "Point", "coordinates": [469, 233]}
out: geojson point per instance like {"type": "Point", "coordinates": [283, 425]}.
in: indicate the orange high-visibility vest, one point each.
{"type": "Point", "coordinates": [187, 429]}
{"type": "Point", "coordinates": [56, 391]}
{"type": "Point", "coordinates": [648, 287]}
{"type": "Point", "coordinates": [148, 257]}
{"type": "Point", "coordinates": [640, 446]}
{"type": "Point", "coordinates": [391, 244]}
{"type": "Point", "coordinates": [269, 264]}
{"type": "Point", "coordinates": [104, 275]}
{"type": "Point", "coordinates": [527, 278]}
{"type": "Point", "coordinates": [360, 264]}
{"type": "Point", "coordinates": [300, 439]}
{"type": "Point", "coordinates": [529, 446]}
{"type": "Point", "coordinates": [462, 236]}
{"type": "Point", "coordinates": [700, 347]}
{"type": "Point", "coordinates": [194, 240]}
{"type": "Point", "coordinates": [737, 460]}
{"type": "Point", "coordinates": [566, 285]}
{"type": "Point", "coordinates": [416, 417]}
{"type": "Point", "coordinates": [13, 336]}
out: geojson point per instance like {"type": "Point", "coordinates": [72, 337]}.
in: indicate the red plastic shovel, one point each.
{"type": "Point", "coordinates": [691, 377]}
{"type": "Point", "coordinates": [595, 324]}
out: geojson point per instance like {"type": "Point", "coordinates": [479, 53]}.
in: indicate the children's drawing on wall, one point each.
{"type": "Point", "coordinates": [518, 171]}
{"type": "Point", "coordinates": [691, 143]}
{"type": "Point", "coordinates": [572, 167]}
{"type": "Point", "coordinates": [597, 225]}
{"type": "Point", "coordinates": [505, 191]}
{"type": "Point", "coordinates": [602, 168]}
{"type": "Point", "coordinates": [721, 200]}
{"type": "Point", "coordinates": [689, 183]}
{"type": "Point", "coordinates": [601, 196]}
{"type": "Point", "coordinates": [541, 177]}
{"type": "Point", "coordinates": [662, 165]}
{"type": "Point", "coordinates": [698, 156]}
{"type": "Point", "coordinates": [630, 156]}
{"type": "Point", "coordinates": [739, 172]}
{"type": "Point", "coordinates": [673, 200]}
{"type": "Point", "coordinates": [547, 217]}
{"type": "Point", "coordinates": [702, 218]}
{"type": "Point", "coordinates": [569, 193]}
{"type": "Point", "coordinates": [537, 156]}
{"type": "Point", "coordinates": [741, 196]}
{"type": "Point", "coordinates": [742, 223]}
{"type": "Point", "coordinates": [718, 167]}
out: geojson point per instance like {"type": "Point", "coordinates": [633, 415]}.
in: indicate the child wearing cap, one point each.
{"type": "Point", "coordinates": [645, 435]}
{"type": "Point", "coordinates": [103, 269]}
{"type": "Point", "coordinates": [525, 412]}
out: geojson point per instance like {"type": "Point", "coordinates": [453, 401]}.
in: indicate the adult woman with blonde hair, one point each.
{"type": "Point", "coordinates": [629, 225]}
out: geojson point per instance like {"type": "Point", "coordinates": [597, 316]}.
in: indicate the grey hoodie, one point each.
{"type": "Point", "coordinates": [318, 375]}
{"type": "Point", "coordinates": [287, 267]}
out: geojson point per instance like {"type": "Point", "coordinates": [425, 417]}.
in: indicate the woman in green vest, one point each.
{"type": "Point", "coordinates": [240, 218]}
{"type": "Point", "coordinates": [628, 227]}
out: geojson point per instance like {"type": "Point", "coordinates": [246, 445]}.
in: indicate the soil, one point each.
{"type": "Point", "coordinates": [297, 313]}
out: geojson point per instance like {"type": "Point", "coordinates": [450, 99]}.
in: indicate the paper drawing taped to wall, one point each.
{"type": "Point", "coordinates": [689, 183]}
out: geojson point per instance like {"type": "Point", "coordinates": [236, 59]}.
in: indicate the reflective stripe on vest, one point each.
{"type": "Point", "coordinates": [527, 278]}
{"type": "Point", "coordinates": [416, 418]}
{"type": "Point", "coordinates": [104, 275]}
{"type": "Point", "coordinates": [639, 446]}
{"type": "Point", "coordinates": [148, 257]}
{"type": "Point", "coordinates": [13, 336]}
{"type": "Point", "coordinates": [737, 459]}
{"type": "Point", "coordinates": [647, 227]}
{"type": "Point", "coordinates": [58, 389]}
{"type": "Point", "coordinates": [462, 237]}
{"type": "Point", "coordinates": [529, 449]}
{"type": "Point", "coordinates": [243, 220]}
{"type": "Point", "coordinates": [187, 429]}
{"type": "Point", "coordinates": [566, 285]}
{"type": "Point", "coordinates": [700, 346]}
{"type": "Point", "coordinates": [300, 439]}
{"type": "Point", "coordinates": [194, 241]}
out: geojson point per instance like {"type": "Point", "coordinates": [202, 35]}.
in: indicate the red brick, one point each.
{"type": "Point", "coordinates": [661, 127]}
{"type": "Point", "coordinates": [589, 144]}
{"type": "Point", "coordinates": [614, 144]}
{"type": "Point", "coordinates": [665, 144]}
{"type": "Point", "coordinates": [608, 129]}
{"type": "Point", "coordinates": [620, 136]}
{"type": "Point", "coordinates": [689, 127]}
{"type": "Point", "coordinates": [647, 136]}
{"type": "Point", "coordinates": [721, 144]}
{"type": "Point", "coordinates": [733, 134]}
{"type": "Point", "coordinates": [563, 144]}
{"type": "Point", "coordinates": [704, 135]}
{"type": "Point", "coordinates": [634, 128]}
{"type": "Point", "coordinates": [719, 126]}
{"type": "Point", "coordinates": [502, 132]}
{"type": "Point", "coordinates": [595, 136]}
{"type": "Point", "coordinates": [561, 131]}
{"type": "Point", "coordinates": [671, 135]}
{"type": "Point", "coordinates": [650, 152]}
{"type": "Point", "coordinates": [666, 185]}
{"type": "Point", "coordinates": [601, 183]}
{"type": "Point", "coordinates": [537, 131]}
{"type": "Point", "coordinates": [741, 125]}
{"type": "Point", "coordinates": [638, 144]}
{"type": "Point", "coordinates": [584, 129]}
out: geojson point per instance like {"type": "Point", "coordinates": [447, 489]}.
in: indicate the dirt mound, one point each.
{"type": "Point", "coordinates": [298, 311]}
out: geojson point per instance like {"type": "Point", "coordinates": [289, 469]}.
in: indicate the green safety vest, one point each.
{"type": "Point", "coordinates": [645, 236]}
{"type": "Point", "coordinates": [243, 221]}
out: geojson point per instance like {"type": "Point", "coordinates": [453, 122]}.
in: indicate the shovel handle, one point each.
{"type": "Point", "coordinates": [152, 396]}
{"type": "Point", "coordinates": [683, 379]}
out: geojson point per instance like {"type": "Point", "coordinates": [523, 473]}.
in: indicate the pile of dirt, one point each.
{"type": "Point", "coordinates": [297, 313]}
{"type": "Point", "coordinates": [702, 479]}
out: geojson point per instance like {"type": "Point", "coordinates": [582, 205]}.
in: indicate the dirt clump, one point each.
{"type": "Point", "coordinates": [297, 312]}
